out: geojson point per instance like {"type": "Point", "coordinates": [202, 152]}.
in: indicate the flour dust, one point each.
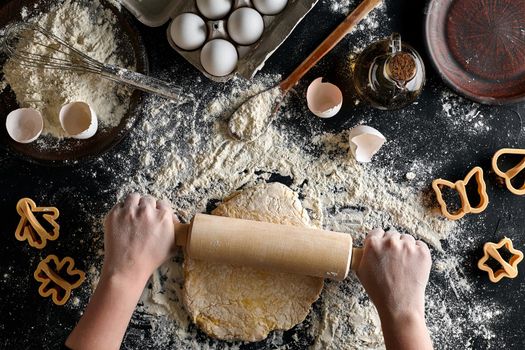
{"type": "Point", "coordinates": [185, 154]}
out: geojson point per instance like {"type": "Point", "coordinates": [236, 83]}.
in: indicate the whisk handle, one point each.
{"type": "Point", "coordinates": [144, 83]}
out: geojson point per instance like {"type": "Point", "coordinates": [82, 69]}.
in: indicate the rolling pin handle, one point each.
{"type": "Point", "coordinates": [357, 254]}
{"type": "Point", "coordinates": [181, 233]}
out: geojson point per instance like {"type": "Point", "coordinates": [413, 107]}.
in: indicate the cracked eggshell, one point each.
{"type": "Point", "coordinates": [365, 141]}
{"type": "Point", "coordinates": [324, 99]}
{"type": "Point", "coordinates": [24, 125]}
{"type": "Point", "coordinates": [78, 120]}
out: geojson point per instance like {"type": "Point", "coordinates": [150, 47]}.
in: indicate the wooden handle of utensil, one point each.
{"type": "Point", "coordinates": [268, 246]}
{"type": "Point", "coordinates": [330, 42]}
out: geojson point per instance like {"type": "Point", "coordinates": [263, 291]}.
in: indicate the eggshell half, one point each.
{"type": "Point", "coordinates": [324, 99]}
{"type": "Point", "coordinates": [365, 141]}
{"type": "Point", "coordinates": [24, 125]}
{"type": "Point", "coordinates": [78, 120]}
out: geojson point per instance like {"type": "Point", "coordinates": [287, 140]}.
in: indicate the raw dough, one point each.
{"type": "Point", "coordinates": [240, 303]}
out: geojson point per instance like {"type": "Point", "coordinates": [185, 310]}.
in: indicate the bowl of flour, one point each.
{"type": "Point", "coordinates": [101, 31]}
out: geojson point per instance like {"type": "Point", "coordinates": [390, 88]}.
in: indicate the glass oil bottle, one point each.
{"type": "Point", "coordinates": [389, 74]}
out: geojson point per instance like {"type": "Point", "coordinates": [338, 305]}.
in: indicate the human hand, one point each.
{"type": "Point", "coordinates": [394, 271]}
{"type": "Point", "coordinates": [139, 237]}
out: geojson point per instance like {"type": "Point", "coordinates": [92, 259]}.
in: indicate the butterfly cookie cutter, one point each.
{"type": "Point", "coordinates": [460, 187]}
{"type": "Point", "coordinates": [50, 272]}
{"type": "Point", "coordinates": [508, 269]}
{"type": "Point", "coordinates": [30, 229]}
{"type": "Point", "coordinates": [511, 173]}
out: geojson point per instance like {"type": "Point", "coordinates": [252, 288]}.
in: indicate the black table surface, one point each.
{"type": "Point", "coordinates": [28, 321]}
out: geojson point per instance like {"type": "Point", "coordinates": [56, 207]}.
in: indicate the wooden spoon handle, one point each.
{"type": "Point", "coordinates": [330, 42]}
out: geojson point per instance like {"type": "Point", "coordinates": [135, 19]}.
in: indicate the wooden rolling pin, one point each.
{"type": "Point", "coordinates": [268, 246]}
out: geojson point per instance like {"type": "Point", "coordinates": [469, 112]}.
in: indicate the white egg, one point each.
{"type": "Point", "coordinates": [188, 31]}
{"type": "Point", "coordinates": [219, 57]}
{"type": "Point", "coordinates": [270, 7]}
{"type": "Point", "coordinates": [245, 26]}
{"type": "Point", "coordinates": [214, 9]}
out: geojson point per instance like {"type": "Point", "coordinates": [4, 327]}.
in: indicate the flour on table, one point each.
{"type": "Point", "coordinates": [186, 155]}
{"type": "Point", "coordinates": [463, 115]}
{"type": "Point", "coordinates": [252, 118]}
{"type": "Point", "coordinates": [242, 303]}
{"type": "Point", "coordinates": [89, 27]}
{"type": "Point", "coordinates": [338, 193]}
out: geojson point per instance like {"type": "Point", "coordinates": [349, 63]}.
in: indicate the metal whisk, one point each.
{"type": "Point", "coordinates": [58, 54]}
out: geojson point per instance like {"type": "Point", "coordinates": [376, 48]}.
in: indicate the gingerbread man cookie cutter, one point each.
{"type": "Point", "coordinates": [50, 272]}
{"type": "Point", "coordinates": [30, 229]}
{"type": "Point", "coordinates": [512, 172]}
{"type": "Point", "coordinates": [508, 269]}
{"type": "Point", "coordinates": [460, 187]}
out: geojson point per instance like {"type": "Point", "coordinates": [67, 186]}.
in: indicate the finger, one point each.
{"type": "Point", "coordinates": [392, 234]}
{"type": "Point", "coordinates": [132, 200]}
{"type": "Point", "coordinates": [176, 219]}
{"type": "Point", "coordinates": [147, 202]}
{"type": "Point", "coordinates": [408, 238]}
{"type": "Point", "coordinates": [422, 245]}
{"type": "Point", "coordinates": [163, 205]}
{"type": "Point", "coordinates": [377, 232]}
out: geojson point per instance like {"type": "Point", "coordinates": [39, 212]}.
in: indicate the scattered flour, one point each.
{"type": "Point", "coordinates": [252, 118]}
{"type": "Point", "coordinates": [342, 6]}
{"type": "Point", "coordinates": [339, 194]}
{"type": "Point", "coordinates": [464, 115]}
{"type": "Point", "coordinates": [186, 156]}
{"type": "Point", "coordinates": [90, 27]}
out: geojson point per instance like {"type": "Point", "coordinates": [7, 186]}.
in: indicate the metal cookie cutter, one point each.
{"type": "Point", "coordinates": [511, 173]}
{"type": "Point", "coordinates": [508, 269]}
{"type": "Point", "coordinates": [460, 186]}
{"type": "Point", "coordinates": [30, 229]}
{"type": "Point", "coordinates": [50, 271]}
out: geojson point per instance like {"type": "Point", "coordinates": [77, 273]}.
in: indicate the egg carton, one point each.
{"type": "Point", "coordinates": [251, 58]}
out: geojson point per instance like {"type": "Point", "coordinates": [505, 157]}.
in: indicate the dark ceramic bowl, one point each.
{"type": "Point", "coordinates": [478, 47]}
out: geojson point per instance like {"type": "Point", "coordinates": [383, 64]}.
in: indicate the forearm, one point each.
{"type": "Point", "coordinates": [107, 315]}
{"type": "Point", "coordinates": [406, 331]}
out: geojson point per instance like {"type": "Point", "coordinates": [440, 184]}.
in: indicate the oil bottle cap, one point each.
{"type": "Point", "coordinates": [401, 67]}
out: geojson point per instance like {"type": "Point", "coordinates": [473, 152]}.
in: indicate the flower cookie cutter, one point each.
{"type": "Point", "coordinates": [30, 229]}
{"type": "Point", "coordinates": [460, 187]}
{"type": "Point", "coordinates": [50, 271]}
{"type": "Point", "coordinates": [508, 269]}
{"type": "Point", "coordinates": [511, 173]}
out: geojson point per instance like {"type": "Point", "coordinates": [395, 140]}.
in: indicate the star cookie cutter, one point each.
{"type": "Point", "coordinates": [511, 173]}
{"type": "Point", "coordinates": [508, 269]}
{"type": "Point", "coordinates": [30, 229]}
{"type": "Point", "coordinates": [50, 271]}
{"type": "Point", "coordinates": [460, 187]}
